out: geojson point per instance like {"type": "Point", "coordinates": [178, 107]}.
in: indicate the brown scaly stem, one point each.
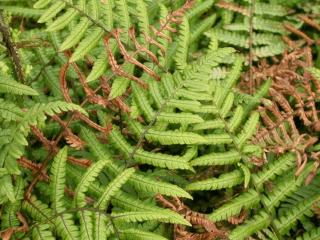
{"type": "Point", "coordinates": [12, 49]}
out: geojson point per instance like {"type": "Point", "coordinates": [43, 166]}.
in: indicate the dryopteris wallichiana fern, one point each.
{"type": "Point", "coordinates": [123, 119]}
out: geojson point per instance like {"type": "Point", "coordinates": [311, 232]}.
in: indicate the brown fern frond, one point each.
{"type": "Point", "coordinates": [161, 34]}
{"type": "Point", "coordinates": [92, 97]}
{"type": "Point", "coordinates": [74, 141]}
{"type": "Point", "coordinates": [116, 68]}
{"type": "Point", "coordinates": [309, 21]}
{"type": "Point", "coordinates": [294, 94]}
{"type": "Point", "coordinates": [173, 17]}
{"type": "Point", "coordinates": [63, 83]}
{"type": "Point", "coordinates": [233, 7]}
{"type": "Point", "coordinates": [48, 145]}
{"type": "Point", "coordinates": [34, 167]}
{"type": "Point", "coordinates": [236, 220]}
{"type": "Point", "coordinates": [141, 48]}
{"type": "Point", "coordinates": [299, 33]}
{"type": "Point", "coordinates": [119, 101]}
{"type": "Point", "coordinates": [279, 133]}
{"type": "Point", "coordinates": [210, 230]}
{"type": "Point", "coordinates": [131, 59]}
{"type": "Point", "coordinates": [291, 81]}
{"type": "Point", "coordinates": [104, 130]}
{"type": "Point", "coordinates": [157, 44]}
{"type": "Point", "coordinates": [7, 234]}
{"type": "Point", "coordinates": [80, 162]}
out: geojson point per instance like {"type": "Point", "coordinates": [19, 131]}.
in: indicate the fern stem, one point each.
{"type": "Point", "coordinates": [12, 49]}
{"type": "Point", "coordinates": [251, 83]}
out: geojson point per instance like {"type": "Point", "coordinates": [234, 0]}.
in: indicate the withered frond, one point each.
{"type": "Point", "coordinates": [210, 230]}
{"type": "Point", "coordinates": [233, 7]}
{"type": "Point", "coordinates": [294, 92]}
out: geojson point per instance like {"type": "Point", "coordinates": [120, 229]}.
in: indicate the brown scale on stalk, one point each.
{"type": "Point", "coordinates": [209, 229]}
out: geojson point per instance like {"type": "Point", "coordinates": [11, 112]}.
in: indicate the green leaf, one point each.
{"type": "Point", "coordinates": [12, 87]}
{"type": "Point", "coordinates": [226, 180]}
{"type": "Point", "coordinates": [58, 180]}
{"type": "Point", "coordinates": [113, 188]}
{"type": "Point", "coordinates": [132, 217]}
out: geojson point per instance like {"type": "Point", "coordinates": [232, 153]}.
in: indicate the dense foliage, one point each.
{"type": "Point", "coordinates": [159, 119]}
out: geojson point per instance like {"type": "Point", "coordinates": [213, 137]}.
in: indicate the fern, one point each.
{"type": "Point", "coordinates": [125, 119]}
{"type": "Point", "coordinates": [245, 201]}
{"type": "Point", "coordinates": [259, 222]}
{"type": "Point", "coordinates": [13, 87]}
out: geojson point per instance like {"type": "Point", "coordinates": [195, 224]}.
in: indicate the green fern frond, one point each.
{"type": "Point", "coordinates": [23, 11]}
{"type": "Point", "coordinates": [9, 111]}
{"type": "Point", "coordinates": [138, 181]}
{"type": "Point", "coordinates": [120, 84]}
{"type": "Point", "coordinates": [225, 158]}
{"type": "Point", "coordinates": [100, 226]}
{"type": "Point", "coordinates": [284, 188]}
{"type": "Point", "coordinates": [136, 234]}
{"type": "Point", "coordinates": [181, 57]}
{"type": "Point", "coordinates": [141, 156]}
{"type": "Point", "coordinates": [113, 188]}
{"type": "Point", "coordinates": [36, 209]}
{"type": "Point", "coordinates": [42, 232]}
{"type": "Point", "coordinates": [88, 177]}
{"type": "Point", "coordinates": [10, 86]}
{"type": "Point", "coordinates": [249, 129]}
{"type": "Point", "coordinates": [285, 223]}
{"type": "Point", "coordinates": [270, 9]}
{"type": "Point", "coordinates": [226, 180]}
{"type": "Point", "coordinates": [284, 163]}
{"type": "Point", "coordinates": [246, 201]}
{"type": "Point", "coordinates": [311, 235]}
{"type": "Point", "coordinates": [315, 72]}
{"type": "Point", "coordinates": [58, 175]}
{"type": "Point", "coordinates": [86, 225]}
{"type": "Point", "coordinates": [146, 216]}
{"type": "Point", "coordinates": [257, 223]}
{"type": "Point", "coordinates": [199, 9]}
